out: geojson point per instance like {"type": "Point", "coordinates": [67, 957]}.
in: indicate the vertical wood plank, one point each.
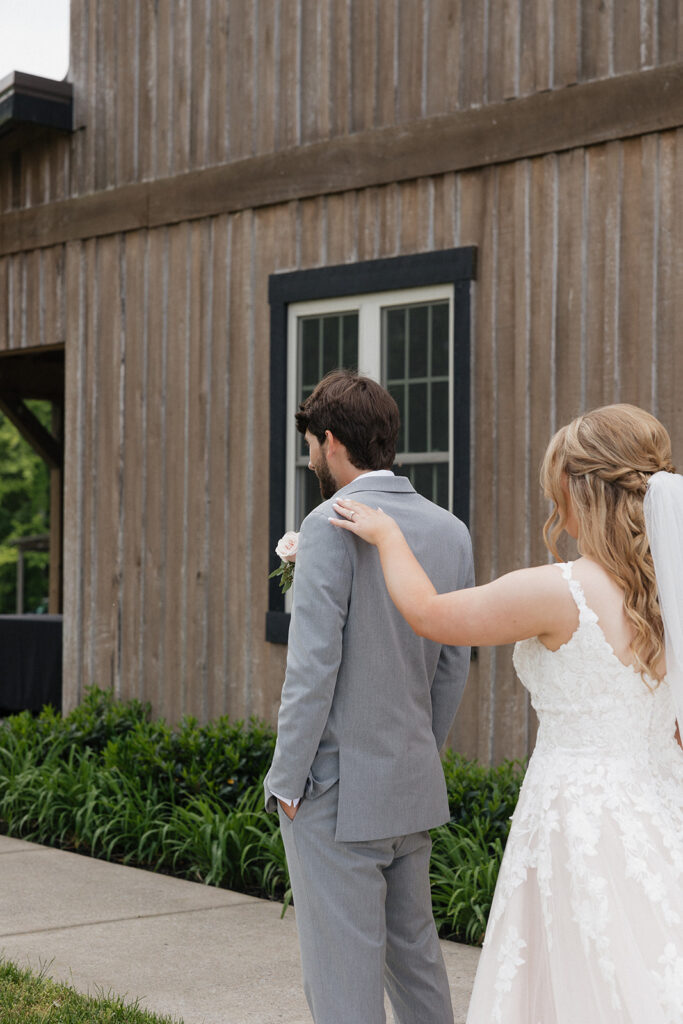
{"type": "Point", "coordinates": [596, 36]}
{"type": "Point", "coordinates": [596, 256]}
{"type": "Point", "coordinates": [571, 334]}
{"type": "Point", "coordinates": [196, 495]}
{"type": "Point", "coordinates": [219, 75]}
{"type": "Point", "coordinates": [443, 56]}
{"type": "Point", "coordinates": [241, 80]}
{"type": "Point", "coordinates": [134, 442]}
{"type": "Point", "coordinates": [364, 64]}
{"type": "Point", "coordinates": [4, 302]}
{"type": "Point", "coordinates": [182, 84]}
{"type": "Point", "coordinates": [368, 223]}
{"type": "Point", "coordinates": [613, 229]}
{"type": "Point", "coordinates": [670, 358]}
{"type": "Point", "coordinates": [668, 31]}
{"type": "Point", "coordinates": [411, 68]}
{"type": "Point", "coordinates": [176, 470]}
{"type": "Point", "coordinates": [219, 675]}
{"type": "Point", "coordinates": [146, 59]}
{"type": "Point", "coordinates": [163, 88]}
{"type": "Point", "coordinates": [240, 498]}
{"type": "Point", "coordinates": [473, 88]}
{"type": "Point", "coordinates": [75, 526]}
{"type": "Point", "coordinates": [626, 20]}
{"type": "Point", "coordinates": [511, 49]}
{"type": "Point", "coordinates": [669, 257]}
{"type": "Point", "coordinates": [509, 737]}
{"type": "Point", "coordinates": [315, 71]}
{"type": "Point", "coordinates": [338, 57]}
{"type": "Point", "coordinates": [446, 212]}
{"type": "Point", "coordinates": [126, 77]}
{"type": "Point", "coordinates": [105, 452]}
{"type": "Point", "coordinates": [387, 58]}
{"type": "Point", "coordinates": [153, 622]}
{"type": "Point", "coordinates": [471, 731]}
{"type": "Point", "coordinates": [266, 108]}
{"type": "Point", "coordinates": [543, 269]}
{"type": "Point", "coordinates": [311, 232]}
{"type": "Point", "coordinates": [566, 41]}
{"type": "Point", "coordinates": [289, 77]}
{"type": "Point", "coordinates": [535, 46]}
{"type": "Point", "coordinates": [200, 52]}
{"type": "Point", "coordinates": [633, 306]}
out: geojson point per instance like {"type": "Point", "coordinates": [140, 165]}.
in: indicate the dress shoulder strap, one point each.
{"type": "Point", "coordinates": [586, 614]}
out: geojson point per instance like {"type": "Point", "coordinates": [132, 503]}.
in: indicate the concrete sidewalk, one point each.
{"type": "Point", "coordinates": [208, 956]}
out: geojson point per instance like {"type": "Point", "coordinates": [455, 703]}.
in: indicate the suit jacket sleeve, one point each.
{"type": "Point", "coordinates": [322, 588]}
{"type": "Point", "coordinates": [454, 662]}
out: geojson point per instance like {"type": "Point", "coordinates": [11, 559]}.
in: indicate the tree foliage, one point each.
{"type": "Point", "coordinates": [24, 510]}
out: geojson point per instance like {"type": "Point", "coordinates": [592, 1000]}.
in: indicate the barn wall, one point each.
{"type": "Point", "coordinates": [166, 544]}
{"type": "Point", "coordinates": [166, 86]}
{"type": "Point", "coordinates": [576, 303]}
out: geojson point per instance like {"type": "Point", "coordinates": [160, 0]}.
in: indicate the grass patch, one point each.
{"type": "Point", "coordinates": [33, 998]}
{"type": "Point", "coordinates": [107, 781]}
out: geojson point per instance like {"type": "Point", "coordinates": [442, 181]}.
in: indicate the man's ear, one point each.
{"type": "Point", "coordinates": [333, 443]}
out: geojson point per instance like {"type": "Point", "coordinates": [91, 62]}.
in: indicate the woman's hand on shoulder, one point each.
{"type": "Point", "coordinates": [370, 524]}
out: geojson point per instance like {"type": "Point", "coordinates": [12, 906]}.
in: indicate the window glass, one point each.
{"type": "Point", "coordinates": [400, 338]}
{"type": "Point", "coordinates": [324, 343]}
{"type": "Point", "coordinates": [415, 361]}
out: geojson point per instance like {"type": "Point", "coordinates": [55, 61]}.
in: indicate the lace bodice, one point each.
{"type": "Point", "coordinates": [588, 700]}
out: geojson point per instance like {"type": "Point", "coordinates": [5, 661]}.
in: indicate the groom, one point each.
{"type": "Point", "coordinates": [366, 705]}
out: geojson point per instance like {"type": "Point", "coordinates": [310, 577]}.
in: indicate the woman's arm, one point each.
{"type": "Point", "coordinates": [525, 603]}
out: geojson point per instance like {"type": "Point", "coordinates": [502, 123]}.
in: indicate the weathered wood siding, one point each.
{"type": "Point", "coordinates": [578, 302]}
{"type": "Point", "coordinates": [166, 86]}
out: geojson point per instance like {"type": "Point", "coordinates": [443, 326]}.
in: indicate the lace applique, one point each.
{"type": "Point", "coordinates": [509, 960]}
{"type": "Point", "coordinates": [599, 823]}
{"type": "Point", "coordinates": [669, 983]}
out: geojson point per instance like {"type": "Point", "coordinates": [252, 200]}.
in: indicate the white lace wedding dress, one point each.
{"type": "Point", "coordinates": [586, 925]}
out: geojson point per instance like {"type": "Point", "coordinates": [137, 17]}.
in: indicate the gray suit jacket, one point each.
{"type": "Point", "coordinates": [365, 701]}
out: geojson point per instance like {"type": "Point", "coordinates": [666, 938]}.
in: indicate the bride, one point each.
{"type": "Point", "coordinates": [586, 925]}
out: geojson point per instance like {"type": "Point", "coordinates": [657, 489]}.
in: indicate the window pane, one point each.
{"type": "Point", "coordinates": [395, 343]}
{"type": "Point", "coordinates": [417, 418]}
{"type": "Point", "coordinates": [331, 345]}
{"type": "Point", "coordinates": [308, 494]}
{"type": "Point", "coordinates": [439, 414]}
{"type": "Point", "coordinates": [417, 363]}
{"type": "Point", "coordinates": [423, 480]}
{"type": "Point", "coordinates": [441, 484]}
{"type": "Point", "coordinates": [350, 334]}
{"type": "Point", "coordinates": [310, 370]}
{"type": "Point", "coordinates": [440, 339]}
{"type": "Point", "coordinates": [398, 392]}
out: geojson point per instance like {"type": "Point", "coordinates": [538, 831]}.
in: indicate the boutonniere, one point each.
{"type": "Point", "coordinates": [286, 550]}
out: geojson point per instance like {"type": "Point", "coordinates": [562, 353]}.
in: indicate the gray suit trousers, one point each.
{"type": "Point", "coordinates": [364, 916]}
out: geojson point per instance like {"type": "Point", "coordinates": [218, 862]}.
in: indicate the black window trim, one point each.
{"type": "Point", "coordinates": [397, 273]}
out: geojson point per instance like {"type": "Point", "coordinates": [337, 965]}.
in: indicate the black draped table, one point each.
{"type": "Point", "coordinates": [30, 662]}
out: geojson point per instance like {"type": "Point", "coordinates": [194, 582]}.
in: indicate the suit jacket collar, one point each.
{"type": "Point", "coordinates": [396, 484]}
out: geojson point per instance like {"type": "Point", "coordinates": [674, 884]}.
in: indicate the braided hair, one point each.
{"type": "Point", "coordinates": [607, 457]}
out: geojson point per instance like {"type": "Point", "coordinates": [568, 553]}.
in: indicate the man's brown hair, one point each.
{"type": "Point", "coordinates": [359, 412]}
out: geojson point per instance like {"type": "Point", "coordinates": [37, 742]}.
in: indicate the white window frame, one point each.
{"type": "Point", "coordinates": [369, 307]}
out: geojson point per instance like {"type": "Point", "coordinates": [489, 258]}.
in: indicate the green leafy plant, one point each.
{"type": "Point", "coordinates": [108, 781]}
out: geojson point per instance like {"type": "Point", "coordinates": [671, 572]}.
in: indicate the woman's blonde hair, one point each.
{"type": "Point", "coordinates": [605, 459]}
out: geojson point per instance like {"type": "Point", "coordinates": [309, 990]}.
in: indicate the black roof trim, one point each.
{"type": "Point", "coordinates": [31, 100]}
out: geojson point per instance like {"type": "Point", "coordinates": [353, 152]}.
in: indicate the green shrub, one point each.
{"type": "Point", "coordinates": [106, 780]}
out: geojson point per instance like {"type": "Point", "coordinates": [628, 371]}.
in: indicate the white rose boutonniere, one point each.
{"type": "Point", "coordinates": [286, 550]}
